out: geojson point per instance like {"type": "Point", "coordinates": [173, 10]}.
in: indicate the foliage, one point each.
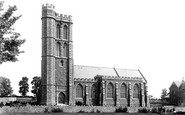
{"type": "Point", "coordinates": [144, 110]}
{"type": "Point", "coordinates": [24, 86]}
{"type": "Point", "coordinates": [5, 87]}
{"type": "Point", "coordinates": [53, 109]}
{"type": "Point", "coordinates": [72, 109]}
{"type": "Point", "coordinates": [78, 103]}
{"type": "Point", "coordinates": [155, 110]}
{"type": "Point", "coordinates": [36, 83]}
{"type": "Point", "coordinates": [9, 42]}
{"type": "Point", "coordinates": [164, 94]}
{"type": "Point", "coordinates": [121, 109]}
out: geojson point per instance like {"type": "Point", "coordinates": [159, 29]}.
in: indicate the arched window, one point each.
{"type": "Point", "coordinates": [123, 91]}
{"type": "Point", "coordinates": [65, 32]}
{"type": "Point", "coordinates": [110, 90]}
{"type": "Point", "coordinates": [59, 52]}
{"type": "Point", "coordinates": [61, 98]}
{"type": "Point", "coordinates": [136, 91]}
{"type": "Point", "coordinates": [79, 91]}
{"type": "Point", "coordinates": [58, 31]}
{"type": "Point", "coordinates": [93, 91]}
{"type": "Point", "coordinates": [65, 50]}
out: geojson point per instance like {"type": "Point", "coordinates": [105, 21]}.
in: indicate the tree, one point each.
{"type": "Point", "coordinates": [9, 42]}
{"type": "Point", "coordinates": [5, 87]}
{"type": "Point", "coordinates": [36, 83]}
{"type": "Point", "coordinates": [24, 86]}
{"type": "Point", "coordinates": [164, 94]}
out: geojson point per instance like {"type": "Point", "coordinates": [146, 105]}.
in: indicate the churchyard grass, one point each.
{"type": "Point", "coordinates": [77, 110]}
{"type": "Point", "coordinates": [89, 114]}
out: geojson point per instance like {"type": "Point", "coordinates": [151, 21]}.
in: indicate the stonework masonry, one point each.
{"type": "Point", "coordinates": [66, 83]}
{"type": "Point", "coordinates": [57, 70]}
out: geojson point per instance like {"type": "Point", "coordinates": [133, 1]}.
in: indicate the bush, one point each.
{"type": "Point", "coordinates": [57, 110]}
{"type": "Point", "coordinates": [98, 111]}
{"type": "Point", "coordinates": [121, 109]}
{"type": "Point", "coordinates": [155, 110]}
{"type": "Point", "coordinates": [1, 104]}
{"type": "Point", "coordinates": [144, 110]}
{"type": "Point", "coordinates": [81, 111]}
{"type": "Point", "coordinates": [54, 109]}
{"type": "Point", "coordinates": [78, 103]}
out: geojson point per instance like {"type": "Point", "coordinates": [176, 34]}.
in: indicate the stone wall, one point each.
{"type": "Point", "coordinates": [102, 92]}
{"type": "Point", "coordinates": [57, 70]}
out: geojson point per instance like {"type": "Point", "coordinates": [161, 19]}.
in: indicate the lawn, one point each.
{"type": "Point", "coordinates": [90, 114]}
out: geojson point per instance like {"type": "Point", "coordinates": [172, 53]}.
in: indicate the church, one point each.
{"type": "Point", "coordinates": [66, 83]}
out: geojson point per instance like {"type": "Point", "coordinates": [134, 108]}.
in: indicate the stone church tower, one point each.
{"type": "Point", "coordinates": [57, 58]}
{"type": "Point", "coordinates": [66, 83]}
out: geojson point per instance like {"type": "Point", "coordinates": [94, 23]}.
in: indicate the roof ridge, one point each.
{"type": "Point", "coordinates": [106, 67]}
{"type": "Point", "coordinates": [127, 69]}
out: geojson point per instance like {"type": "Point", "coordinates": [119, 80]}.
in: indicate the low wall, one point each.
{"type": "Point", "coordinates": [12, 99]}
{"type": "Point", "coordinates": [180, 109]}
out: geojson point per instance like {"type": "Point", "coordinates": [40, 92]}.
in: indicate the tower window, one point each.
{"type": "Point", "coordinates": [59, 52]}
{"type": "Point", "coordinates": [65, 50]}
{"type": "Point", "coordinates": [58, 31]}
{"type": "Point", "coordinates": [65, 32]}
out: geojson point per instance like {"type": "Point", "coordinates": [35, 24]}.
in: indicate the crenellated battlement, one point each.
{"type": "Point", "coordinates": [118, 78]}
{"type": "Point", "coordinates": [49, 11]}
{"type": "Point", "coordinates": [63, 17]}
{"type": "Point", "coordinates": [48, 6]}
{"type": "Point", "coordinates": [84, 79]}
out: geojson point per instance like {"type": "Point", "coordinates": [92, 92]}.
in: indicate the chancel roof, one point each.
{"type": "Point", "coordinates": [92, 71]}
{"type": "Point", "coordinates": [128, 73]}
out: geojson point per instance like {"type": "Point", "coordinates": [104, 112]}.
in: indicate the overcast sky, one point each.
{"type": "Point", "coordinates": [129, 34]}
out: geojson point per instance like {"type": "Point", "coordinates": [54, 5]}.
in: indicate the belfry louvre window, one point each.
{"type": "Point", "coordinates": [59, 52]}
{"type": "Point", "coordinates": [65, 32]}
{"type": "Point", "coordinates": [136, 91]}
{"type": "Point", "coordinates": [123, 91]}
{"type": "Point", "coordinates": [79, 91]}
{"type": "Point", "coordinates": [110, 90]}
{"type": "Point", "coordinates": [65, 50]}
{"type": "Point", "coordinates": [58, 31]}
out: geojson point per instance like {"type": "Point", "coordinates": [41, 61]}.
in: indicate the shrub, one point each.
{"type": "Point", "coordinates": [1, 104]}
{"type": "Point", "coordinates": [98, 111]}
{"type": "Point", "coordinates": [78, 103]}
{"type": "Point", "coordinates": [53, 109]}
{"type": "Point", "coordinates": [144, 110]}
{"type": "Point", "coordinates": [155, 110]}
{"type": "Point", "coordinates": [81, 111]}
{"type": "Point", "coordinates": [121, 109]}
{"type": "Point", "coordinates": [47, 109]}
{"type": "Point", "coordinates": [56, 110]}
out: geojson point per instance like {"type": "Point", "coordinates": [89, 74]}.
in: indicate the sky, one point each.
{"type": "Point", "coordinates": [131, 34]}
